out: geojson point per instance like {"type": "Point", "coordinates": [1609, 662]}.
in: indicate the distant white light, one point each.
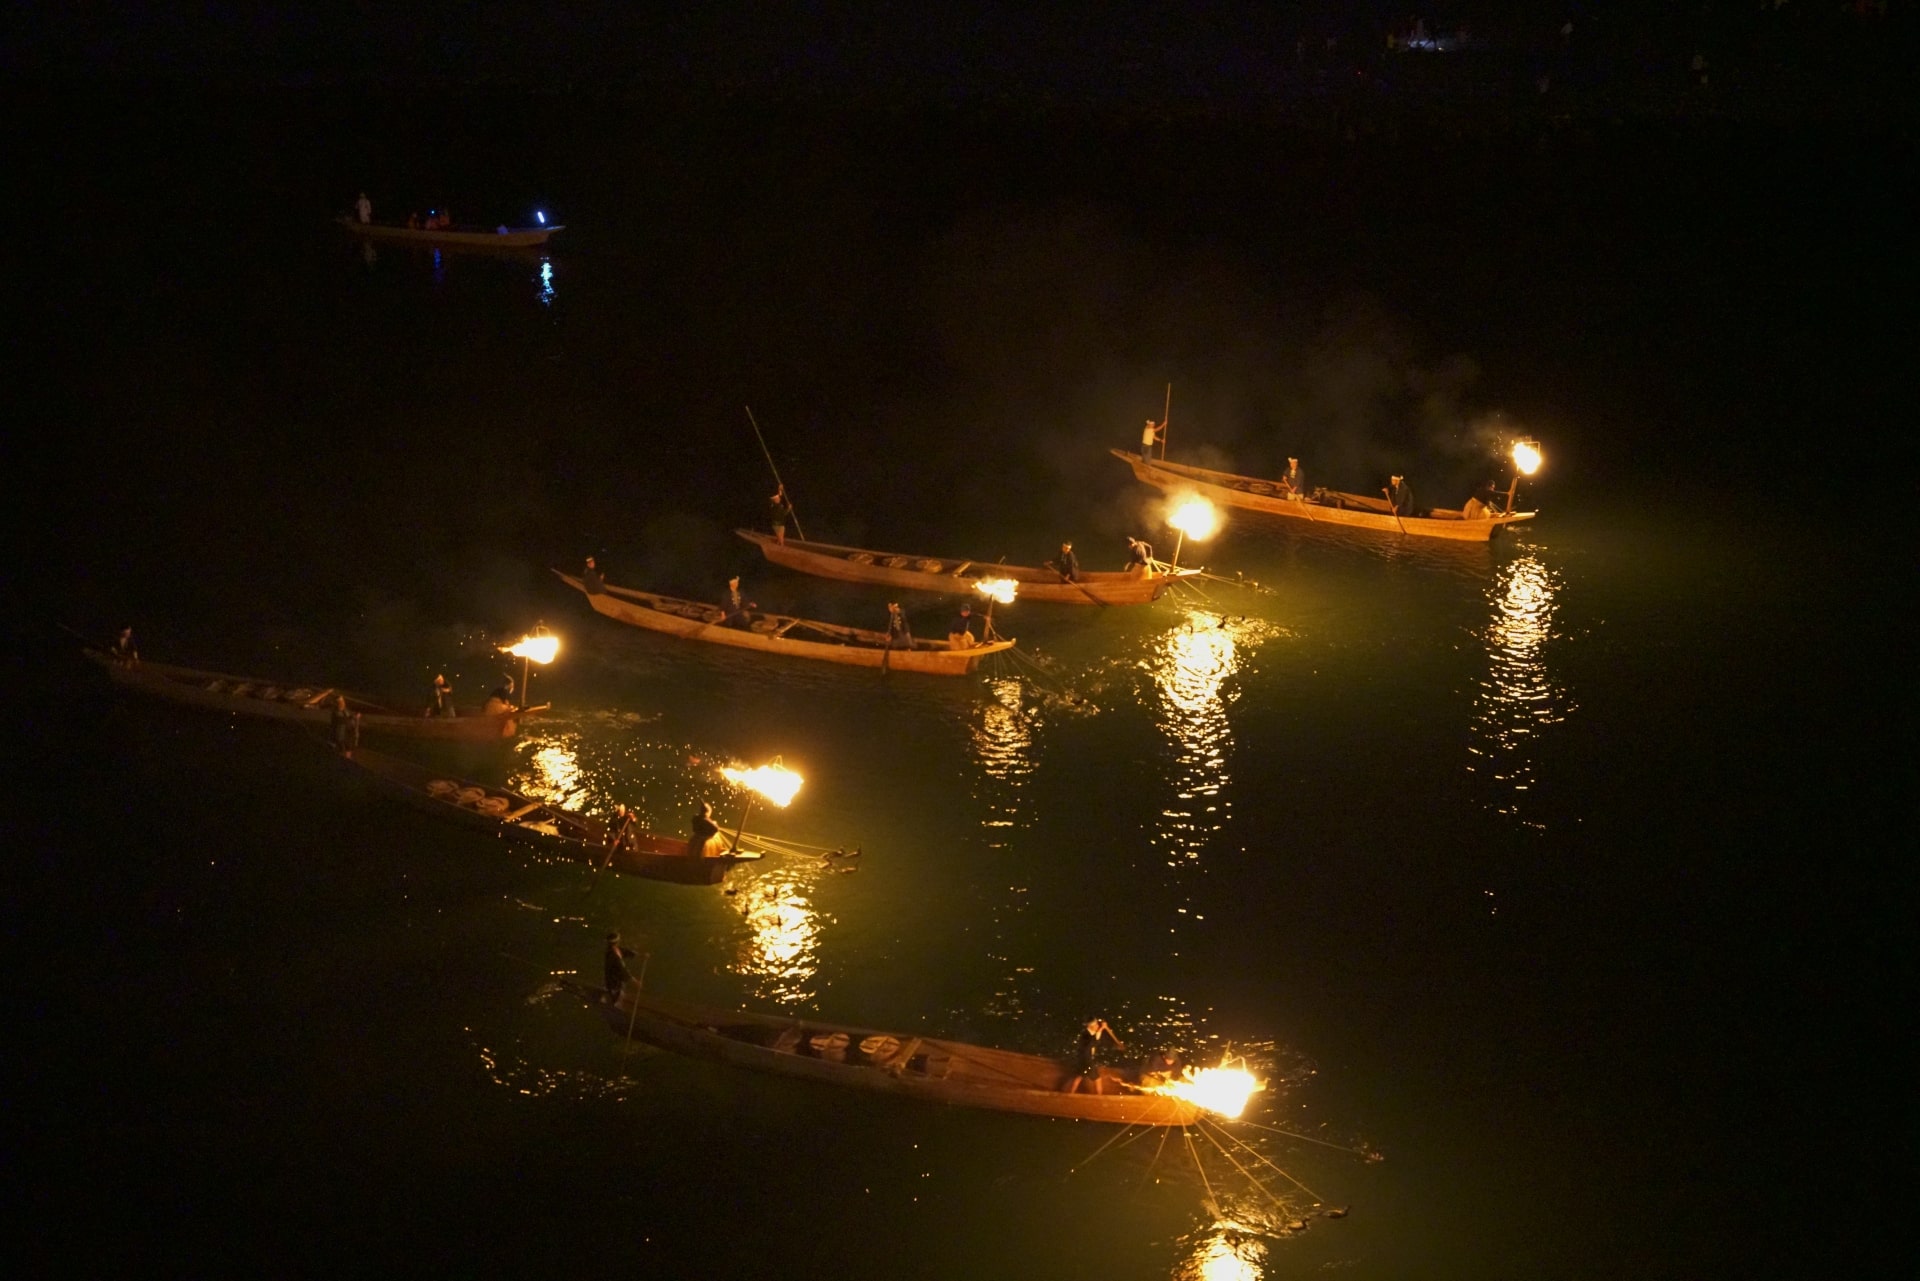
{"type": "Point", "coordinates": [541, 215]}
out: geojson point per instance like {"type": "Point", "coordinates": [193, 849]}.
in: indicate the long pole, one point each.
{"type": "Point", "coordinates": [525, 693]}
{"type": "Point", "coordinates": [1178, 543]}
{"type": "Point", "coordinates": [1512, 485]}
{"type": "Point", "coordinates": [1166, 421]}
{"type": "Point", "coordinates": [776, 471]}
{"type": "Point", "coordinates": [738, 831]}
{"type": "Point", "coordinates": [635, 1016]}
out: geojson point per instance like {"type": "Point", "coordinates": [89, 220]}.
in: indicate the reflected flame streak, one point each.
{"type": "Point", "coordinates": [780, 952]}
{"type": "Point", "coordinates": [546, 282]}
{"type": "Point", "coordinates": [1002, 740]}
{"type": "Point", "coordinates": [550, 769]}
{"type": "Point", "coordinates": [1189, 668]}
{"type": "Point", "coordinates": [1518, 697]}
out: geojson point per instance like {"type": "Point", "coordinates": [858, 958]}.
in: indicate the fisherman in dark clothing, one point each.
{"type": "Point", "coordinates": [620, 829]}
{"type": "Point", "coordinates": [960, 630]}
{"type": "Point", "coordinates": [1069, 565]}
{"type": "Point", "coordinates": [1293, 481]}
{"type": "Point", "coordinates": [1399, 496]}
{"type": "Point", "coordinates": [735, 608]}
{"type": "Point", "coordinates": [442, 697]}
{"type": "Point", "coordinates": [590, 579]}
{"type": "Point", "coordinates": [899, 635]}
{"type": "Point", "coordinates": [706, 832]}
{"type": "Point", "coordinates": [1087, 1053]}
{"type": "Point", "coordinates": [124, 652]}
{"type": "Point", "coordinates": [780, 514]}
{"type": "Point", "coordinates": [345, 726]}
{"type": "Point", "coordinates": [618, 975]}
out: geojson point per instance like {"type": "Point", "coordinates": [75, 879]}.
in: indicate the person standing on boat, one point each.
{"type": "Point", "coordinates": [1139, 555]}
{"type": "Point", "coordinates": [735, 609]}
{"type": "Point", "coordinates": [124, 652]}
{"type": "Point", "coordinates": [591, 579]}
{"type": "Point", "coordinates": [1087, 1054]}
{"type": "Point", "coordinates": [960, 631]}
{"type": "Point", "coordinates": [1293, 481]}
{"type": "Point", "coordinates": [1399, 496]}
{"type": "Point", "coordinates": [1150, 435]}
{"type": "Point", "coordinates": [363, 209]}
{"type": "Point", "coordinates": [779, 514]}
{"type": "Point", "coordinates": [620, 830]}
{"type": "Point", "coordinates": [706, 834]}
{"type": "Point", "coordinates": [346, 727]}
{"type": "Point", "coordinates": [617, 973]}
{"type": "Point", "coordinates": [899, 635]}
{"type": "Point", "coordinates": [442, 697]}
{"type": "Point", "coordinates": [1069, 565]}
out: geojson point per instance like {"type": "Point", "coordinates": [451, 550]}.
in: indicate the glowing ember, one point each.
{"type": "Point", "coordinates": [1527, 457]}
{"type": "Point", "coordinates": [999, 589]}
{"type": "Point", "coordinates": [775, 782]}
{"type": "Point", "coordinates": [540, 649]}
{"type": "Point", "coordinates": [1194, 518]}
{"type": "Point", "coordinates": [1221, 1089]}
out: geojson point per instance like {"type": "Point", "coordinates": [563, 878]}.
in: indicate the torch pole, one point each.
{"type": "Point", "coordinates": [1166, 422]}
{"type": "Point", "coordinates": [1512, 486]}
{"type": "Point", "coordinates": [740, 830]}
{"type": "Point", "coordinates": [1177, 545]}
{"type": "Point", "coordinates": [525, 693]}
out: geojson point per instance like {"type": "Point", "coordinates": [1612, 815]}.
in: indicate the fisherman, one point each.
{"type": "Point", "coordinates": [1069, 566]}
{"type": "Point", "coordinates": [1293, 481]}
{"type": "Point", "coordinates": [1399, 496]}
{"type": "Point", "coordinates": [591, 580]}
{"type": "Point", "coordinates": [442, 697]}
{"type": "Point", "coordinates": [620, 829]}
{"type": "Point", "coordinates": [124, 652]}
{"type": "Point", "coordinates": [344, 726]}
{"type": "Point", "coordinates": [1086, 1057]}
{"type": "Point", "coordinates": [899, 635]}
{"type": "Point", "coordinates": [779, 513]}
{"type": "Point", "coordinates": [618, 975]}
{"type": "Point", "coordinates": [500, 699]}
{"type": "Point", "coordinates": [960, 631]}
{"type": "Point", "coordinates": [706, 834]}
{"type": "Point", "coordinates": [1150, 435]}
{"type": "Point", "coordinates": [1159, 1067]}
{"type": "Point", "coordinates": [1139, 555]}
{"type": "Point", "coordinates": [363, 209]}
{"type": "Point", "coordinates": [735, 609]}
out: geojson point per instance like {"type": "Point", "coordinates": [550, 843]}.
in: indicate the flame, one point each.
{"type": "Point", "coordinates": [540, 649]}
{"type": "Point", "coordinates": [1194, 517]}
{"type": "Point", "coordinates": [1217, 1089]}
{"type": "Point", "coordinates": [1527, 456]}
{"type": "Point", "coordinates": [775, 782]}
{"type": "Point", "coordinates": [999, 589]}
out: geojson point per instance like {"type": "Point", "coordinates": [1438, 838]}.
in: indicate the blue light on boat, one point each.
{"type": "Point", "coordinates": [541, 216]}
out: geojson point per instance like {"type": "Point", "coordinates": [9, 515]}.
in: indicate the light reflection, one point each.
{"type": "Point", "coordinates": [1190, 666]}
{"type": "Point", "coordinates": [549, 769]}
{"type": "Point", "coordinates": [1227, 1252]}
{"type": "Point", "coordinates": [546, 282]}
{"type": "Point", "coordinates": [1518, 697]}
{"type": "Point", "coordinates": [781, 949]}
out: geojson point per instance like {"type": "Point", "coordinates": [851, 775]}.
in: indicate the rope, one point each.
{"type": "Point", "coordinates": [1318, 1199]}
{"type": "Point", "coordinates": [1305, 1138]}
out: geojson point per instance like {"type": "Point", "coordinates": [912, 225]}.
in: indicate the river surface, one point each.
{"type": "Point", "coordinates": [1539, 880]}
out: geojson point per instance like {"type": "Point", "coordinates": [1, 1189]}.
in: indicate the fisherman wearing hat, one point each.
{"type": "Point", "coordinates": [899, 635]}
{"type": "Point", "coordinates": [1293, 481]}
{"type": "Point", "coordinates": [442, 697]}
{"type": "Point", "coordinates": [617, 972]}
{"type": "Point", "coordinates": [591, 579]}
{"type": "Point", "coordinates": [1069, 565]}
{"type": "Point", "coordinates": [960, 634]}
{"type": "Point", "coordinates": [734, 607]}
{"type": "Point", "coordinates": [1399, 496]}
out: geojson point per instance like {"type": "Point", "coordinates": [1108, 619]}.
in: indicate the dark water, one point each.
{"type": "Point", "coordinates": [1551, 885]}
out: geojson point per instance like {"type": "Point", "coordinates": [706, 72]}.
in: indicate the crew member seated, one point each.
{"type": "Point", "coordinates": [735, 609]}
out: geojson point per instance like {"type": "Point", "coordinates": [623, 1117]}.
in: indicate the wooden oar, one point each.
{"type": "Point", "coordinates": [1394, 509]}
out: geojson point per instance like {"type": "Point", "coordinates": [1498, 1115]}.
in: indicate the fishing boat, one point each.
{"type": "Point", "coordinates": [452, 237]}
{"type": "Point", "coordinates": [304, 703]}
{"type": "Point", "coordinates": [780, 634]}
{"type": "Point", "coordinates": [957, 577]}
{"type": "Point", "coordinates": [918, 1067]}
{"type": "Point", "coordinates": [516, 816]}
{"type": "Point", "coordinates": [1476, 523]}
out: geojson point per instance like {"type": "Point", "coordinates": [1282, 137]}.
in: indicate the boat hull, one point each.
{"type": "Point", "coordinates": [951, 577]}
{"type": "Point", "coordinates": [1251, 493]}
{"type": "Point", "coordinates": [301, 704]}
{"type": "Point", "coordinates": [852, 646]}
{"type": "Point", "coordinates": [529, 821]}
{"type": "Point", "coordinates": [511, 238]}
{"type": "Point", "coordinates": [897, 1063]}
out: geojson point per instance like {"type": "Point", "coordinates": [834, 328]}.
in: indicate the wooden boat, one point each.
{"type": "Point", "coordinates": [452, 237]}
{"type": "Point", "coordinates": [918, 1067]}
{"type": "Point", "coordinates": [957, 577]}
{"type": "Point", "coordinates": [1326, 506]}
{"type": "Point", "coordinates": [780, 634]}
{"type": "Point", "coordinates": [307, 704]}
{"type": "Point", "coordinates": [518, 817]}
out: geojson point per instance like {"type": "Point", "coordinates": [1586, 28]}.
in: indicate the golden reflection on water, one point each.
{"type": "Point", "coordinates": [1190, 665]}
{"type": "Point", "coordinates": [1225, 1252]}
{"type": "Point", "coordinates": [1517, 698]}
{"type": "Point", "coordinates": [549, 769]}
{"type": "Point", "coordinates": [780, 952]}
{"type": "Point", "coordinates": [1002, 740]}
